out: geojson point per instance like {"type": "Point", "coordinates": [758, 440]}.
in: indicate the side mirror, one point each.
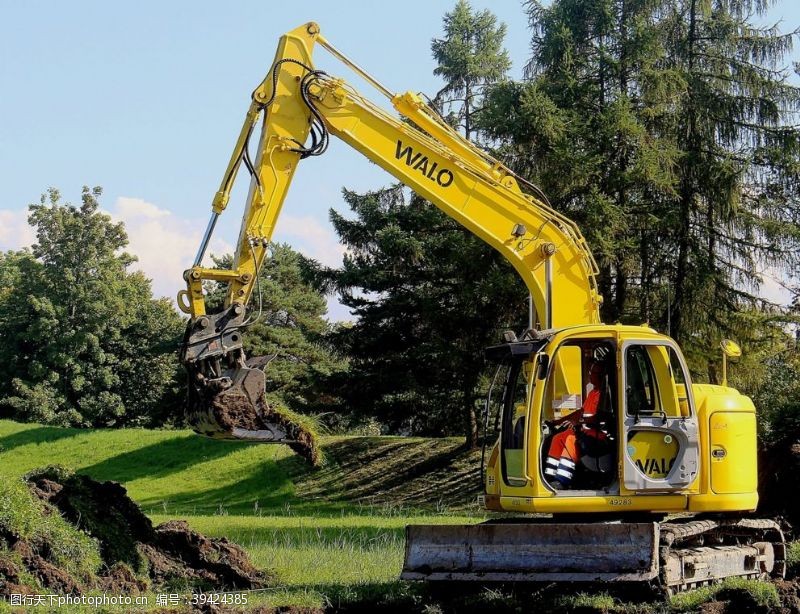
{"type": "Point", "coordinates": [543, 366]}
{"type": "Point", "coordinates": [730, 350]}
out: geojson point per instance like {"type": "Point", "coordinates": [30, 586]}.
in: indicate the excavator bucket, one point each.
{"type": "Point", "coordinates": [532, 552]}
{"type": "Point", "coordinates": [227, 392]}
{"type": "Point", "coordinates": [233, 406]}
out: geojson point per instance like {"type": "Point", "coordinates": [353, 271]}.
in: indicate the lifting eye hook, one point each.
{"type": "Point", "coordinates": [183, 301]}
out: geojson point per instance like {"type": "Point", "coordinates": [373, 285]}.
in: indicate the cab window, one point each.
{"type": "Point", "coordinates": [515, 410]}
{"type": "Point", "coordinates": [655, 383]}
{"type": "Point", "coordinates": [565, 386]}
{"type": "Point", "coordinates": [641, 391]}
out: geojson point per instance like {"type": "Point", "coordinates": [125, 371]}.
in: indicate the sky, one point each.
{"type": "Point", "coordinates": [146, 100]}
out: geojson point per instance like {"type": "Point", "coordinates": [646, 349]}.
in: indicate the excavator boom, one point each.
{"type": "Point", "coordinates": [300, 108]}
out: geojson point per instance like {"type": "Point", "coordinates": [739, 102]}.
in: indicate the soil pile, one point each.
{"type": "Point", "coordinates": [234, 410]}
{"type": "Point", "coordinates": [135, 554]}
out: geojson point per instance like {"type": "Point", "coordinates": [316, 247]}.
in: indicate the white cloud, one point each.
{"type": "Point", "coordinates": [14, 230]}
{"type": "Point", "coordinates": [164, 243]}
{"type": "Point", "coordinates": [137, 207]}
{"type": "Point", "coordinates": [315, 240]}
{"type": "Point", "coordinates": [307, 235]}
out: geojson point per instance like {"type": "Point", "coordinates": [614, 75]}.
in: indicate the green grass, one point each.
{"type": "Point", "coordinates": [21, 515]}
{"type": "Point", "coordinates": [793, 559]}
{"type": "Point", "coordinates": [179, 473]}
{"type": "Point", "coordinates": [762, 594]}
{"type": "Point", "coordinates": [331, 534]}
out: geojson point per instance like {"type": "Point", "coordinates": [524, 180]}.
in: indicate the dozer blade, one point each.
{"type": "Point", "coordinates": [532, 552]}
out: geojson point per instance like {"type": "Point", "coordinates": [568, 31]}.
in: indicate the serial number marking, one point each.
{"type": "Point", "coordinates": [622, 501]}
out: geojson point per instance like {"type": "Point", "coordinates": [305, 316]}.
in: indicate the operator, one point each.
{"type": "Point", "coordinates": [564, 453]}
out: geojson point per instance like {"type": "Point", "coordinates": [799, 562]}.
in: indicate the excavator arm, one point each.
{"type": "Point", "coordinates": [300, 108]}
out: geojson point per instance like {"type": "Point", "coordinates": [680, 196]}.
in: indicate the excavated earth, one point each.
{"type": "Point", "coordinates": [235, 411]}
{"type": "Point", "coordinates": [779, 481]}
{"type": "Point", "coordinates": [137, 556]}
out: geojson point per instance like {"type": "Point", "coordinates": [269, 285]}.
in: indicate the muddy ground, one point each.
{"type": "Point", "coordinates": [136, 555]}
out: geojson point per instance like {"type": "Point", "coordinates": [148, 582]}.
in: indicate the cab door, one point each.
{"type": "Point", "coordinates": [514, 431]}
{"type": "Point", "coordinates": [661, 440]}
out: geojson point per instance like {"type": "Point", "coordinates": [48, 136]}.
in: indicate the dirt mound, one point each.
{"type": "Point", "coordinates": [789, 591]}
{"type": "Point", "coordinates": [217, 562]}
{"type": "Point", "coordinates": [29, 562]}
{"type": "Point", "coordinates": [235, 411]}
{"type": "Point", "coordinates": [779, 478]}
{"type": "Point", "coordinates": [136, 555]}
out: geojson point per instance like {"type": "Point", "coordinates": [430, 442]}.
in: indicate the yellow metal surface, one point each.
{"type": "Point", "coordinates": [733, 436]}
{"type": "Point", "coordinates": [547, 249]}
{"type": "Point", "coordinates": [429, 157]}
{"type": "Point", "coordinates": [482, 197]}
{"type": "Point", "coordinates": [710, 400]}
{"type": "Point", "coordinates": [734, 482]}
{"type": "Point", "coordinates": [653, 452]}
{"type": "Point", "coordinates": [713, 502]}
{"type": "Point", "coordinates": [285, 123]}
{"type": "Point", "coordinates": [588, 505]}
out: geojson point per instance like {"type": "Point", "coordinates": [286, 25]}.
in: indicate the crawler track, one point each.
{"type": "Point", "coordinates": [694, 552]}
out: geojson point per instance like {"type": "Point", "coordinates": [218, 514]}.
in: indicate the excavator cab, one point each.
{"type": "Point", "coordinates": [579, 425]}
{"type": "Point", "coordinates": [589, 414]}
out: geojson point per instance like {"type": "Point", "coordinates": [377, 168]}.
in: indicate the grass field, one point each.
{"type": "Point", "coordinates": [330, 534]}
{"type": "Point", "coordinates": [334, 536]}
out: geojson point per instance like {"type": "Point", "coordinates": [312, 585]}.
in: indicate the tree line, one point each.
{"type": "Point", "coordinates": [667, 129]}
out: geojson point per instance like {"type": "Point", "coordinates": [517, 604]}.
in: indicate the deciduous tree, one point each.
{"type": "Point", "coordinates": [82, 341]}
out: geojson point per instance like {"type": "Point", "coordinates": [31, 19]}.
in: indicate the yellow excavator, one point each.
{"type": "Point", "coordinates": [617, 467]}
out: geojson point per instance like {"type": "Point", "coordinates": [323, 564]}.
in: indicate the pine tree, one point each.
{"type": "Point", "coordinates": [667, 130]}
{"type": "Point", "coordinates": [469, 57]}
{"type": "Point", "coordinates": [580, 127]}
{"type": "Point", "coordinates": [429, 297]}
{"type": "Point", "coordinates": [736, 210]}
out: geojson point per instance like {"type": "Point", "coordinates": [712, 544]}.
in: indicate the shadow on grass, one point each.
{"type": "Point", "coordinates": [160, 459]}
{"type": "Point", "coordinates": [361, 475]}
{"type": "Point", "coordinates": [389, 476]}
{"type": "Point", "coordinates": [37, 435]}
{"type": "Point", "coordinates": [268, 487]}
{"type": "Point", "coordinates": [412, 472]}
